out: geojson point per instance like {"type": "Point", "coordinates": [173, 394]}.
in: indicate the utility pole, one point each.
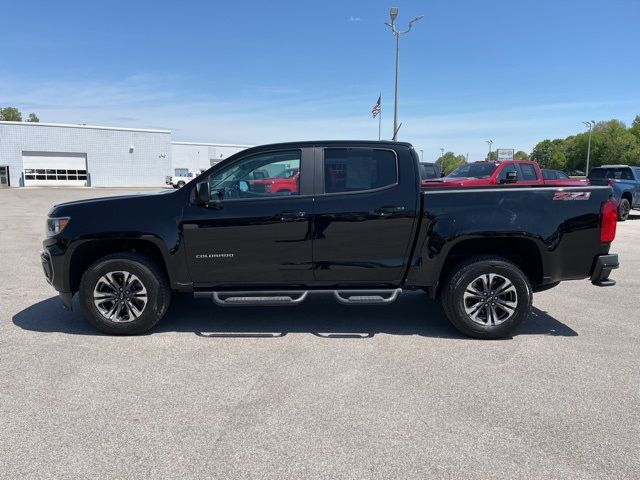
{"type": "Point", "coordinates": [393, 14]}
{"type": "Point", "coordinates": [590, 124]}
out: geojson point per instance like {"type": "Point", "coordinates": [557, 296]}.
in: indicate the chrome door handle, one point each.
{"type": "Point", "coordinates": [384, 211]}
{"type": "Point", "coordinates": [291, 214]}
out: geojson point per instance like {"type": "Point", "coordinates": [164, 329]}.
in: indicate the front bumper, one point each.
{"type": "Point", "coordinates": [602, 269]}
{"type": "Point", "coordinates": [49, 267]}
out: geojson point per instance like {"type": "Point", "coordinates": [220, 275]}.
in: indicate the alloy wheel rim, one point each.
{"type": "Point", "coordinates": [490, 299]}
{"type": "Point", "coordinates": [120, 296]}
{"type": "Point", "coordinates": [625, 210]}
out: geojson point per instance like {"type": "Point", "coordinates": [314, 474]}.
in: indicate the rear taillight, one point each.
{"type": "Point", "coordinates": [609, 221]}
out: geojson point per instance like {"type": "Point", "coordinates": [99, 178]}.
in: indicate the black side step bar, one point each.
{"type": "Point", "coordinates": [295, 297]}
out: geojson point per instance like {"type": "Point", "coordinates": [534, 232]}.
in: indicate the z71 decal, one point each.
{"type": "Point", "coordinates": [571, 195]}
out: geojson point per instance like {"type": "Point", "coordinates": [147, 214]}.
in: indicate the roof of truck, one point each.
{"type": "Point", "coordinates": [334, 143]}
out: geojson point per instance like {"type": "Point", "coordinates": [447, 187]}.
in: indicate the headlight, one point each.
{"type": "Point", "coordinates": [56, 224]}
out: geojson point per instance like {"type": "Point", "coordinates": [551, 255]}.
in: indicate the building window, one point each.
{"type": "Point", "coordinates": [49, 174]}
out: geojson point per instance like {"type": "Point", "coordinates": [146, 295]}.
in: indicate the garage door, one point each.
{"type": "Point", "coordinates": [54, 169]}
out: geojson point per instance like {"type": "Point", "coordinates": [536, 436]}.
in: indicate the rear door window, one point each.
{"type": "Point", "coordinates": [358, 169]}
{"type": "Point", "coordinates": [528, 172]}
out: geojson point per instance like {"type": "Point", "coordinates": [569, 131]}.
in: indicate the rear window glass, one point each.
{"type": "Point", "coordinates": [549, 174]}
{"type": "Point", "coordinates": [615, 173]}
{"type": "Point", "coordinates": [352, 170]}
{"type": "Point", "coordinates": [427, 171]}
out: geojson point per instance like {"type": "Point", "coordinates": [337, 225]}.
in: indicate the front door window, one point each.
{"type": "Point", "coordinates": [264, 175]}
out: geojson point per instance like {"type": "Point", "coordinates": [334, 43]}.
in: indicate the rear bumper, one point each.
{"type": "Point", "coordinates": [603, 266]}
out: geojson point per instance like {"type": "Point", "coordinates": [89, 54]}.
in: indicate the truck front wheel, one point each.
{"type": "Point", "coordinates": [487, 297]}
{"type": "Point", "coordinates": [124, 294]}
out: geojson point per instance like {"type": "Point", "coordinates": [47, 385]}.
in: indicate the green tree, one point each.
{"type": "Point", "coordinates": [33, 118]}
{"type": "Point", "coordinates": [542, 153]}
{"type": "Point", "coordinates": [492, 155]}
{"type": "Point", "coordinates": [635, 127]}
{"type": "Point", "coordinates": [10, 114]}
{"type": "Point", "coordinates": [550, 154]}
{"type": "Point", "coordinates": [520, 155]}
{"type": "Point", "coordinates": [450, 161]}
{"type": "Point", "coordinates": [614, 143]}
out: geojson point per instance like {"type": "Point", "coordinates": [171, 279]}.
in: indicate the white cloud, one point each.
{"type": "Point", "coordinates": [354, 19]}
{"type": "Point", "coordinates": [279, 113]}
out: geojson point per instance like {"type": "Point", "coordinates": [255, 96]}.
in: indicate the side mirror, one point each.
{"type": "Point", "coordinates": [442, 175]}
{"type": "Point", "coordinates": [512, 177]}
{"type": "Point", "coordinates": [203, 194]}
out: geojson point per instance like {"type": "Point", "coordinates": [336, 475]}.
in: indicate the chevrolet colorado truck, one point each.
{"type": "Point", "coordinates": [359, 228]}
{"type": "Point", "coordinates": [518, 172]}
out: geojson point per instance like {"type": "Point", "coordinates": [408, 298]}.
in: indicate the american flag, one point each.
{"type": "Point", "coordinates": [375, 111]}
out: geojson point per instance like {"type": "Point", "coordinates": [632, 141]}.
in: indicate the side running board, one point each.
{"type": "Point", "coordinates": [244, 299]}
{"type": "Point", "coordinates": [295, 297]}
{"type": "Point", "coordinates": [367, 297]}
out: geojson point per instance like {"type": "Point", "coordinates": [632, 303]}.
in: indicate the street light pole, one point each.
{"type": "Point", "coordinates": [442, 152]}
{"type": "Point", "coordinates": [590, 124]}
{"type": "Point", "coordinates": [393, 14]}
{"type": "Point", "coordinates": [421, 155]}
{"type": "Point", "coordinates": [489, 142]}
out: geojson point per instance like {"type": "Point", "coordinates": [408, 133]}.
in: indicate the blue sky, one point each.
{"type": "Point", "coordinates": [258, 72]}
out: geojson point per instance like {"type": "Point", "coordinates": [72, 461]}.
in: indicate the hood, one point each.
{"type": "Point", "coordinates": [105, 202]}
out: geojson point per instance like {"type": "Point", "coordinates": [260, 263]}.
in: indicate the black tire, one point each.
{"type": "Point", "coordinates": [453, 301]}
{"type": "Point", "coordinates": [158, 293]}
{"type": "Point", "coordinates": [180, 184]}
{"type": "Point", "coordinates": [623, 210]}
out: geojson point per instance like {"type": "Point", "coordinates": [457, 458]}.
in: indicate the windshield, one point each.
{"type": "Point", "coordinates": [474, 170]}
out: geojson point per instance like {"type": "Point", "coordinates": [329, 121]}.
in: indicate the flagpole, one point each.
{"type": "Point", "coordinates": [380, 118]}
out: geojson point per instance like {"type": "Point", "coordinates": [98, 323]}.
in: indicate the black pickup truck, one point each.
{"type": "Point", "coordinates": [353, 222]}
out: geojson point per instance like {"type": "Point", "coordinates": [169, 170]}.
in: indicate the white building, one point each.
{"type": "Point", "coordinates": [194, 157]}
{"type": "Point", "coordinates": [48, 154]}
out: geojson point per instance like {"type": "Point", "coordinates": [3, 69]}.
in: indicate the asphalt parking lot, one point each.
{"type": "Point", "coordinates": [316, 391]}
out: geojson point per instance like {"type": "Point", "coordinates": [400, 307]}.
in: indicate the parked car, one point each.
{"type": "Point", "coordinates": [180, 181]}
{"type": "Point", "coordinates": [625, 181]}
{"type": "Point", "coordinates": [550, 175]}
{"type": "Point", "coordinates": [429, 171]}
{"type": "Point", "coordinates": [520, 172]}
{"type": "Point", "coordinates": [359, 227]}
{"type": "Point", "coordinates": [284, 182]}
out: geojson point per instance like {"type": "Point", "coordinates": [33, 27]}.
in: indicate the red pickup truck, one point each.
{"type": "Point", "coordinates": [519, 172]}
{"type": "Point", "coordinates": [284, 182]}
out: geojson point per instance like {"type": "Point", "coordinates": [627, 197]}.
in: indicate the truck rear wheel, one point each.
{"type": "Point", "coordinates": [124, 294]}
{"type": "Point", "coordinates": [623, 209]}
{"type": "Point", "coordinates": [487, 297]}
